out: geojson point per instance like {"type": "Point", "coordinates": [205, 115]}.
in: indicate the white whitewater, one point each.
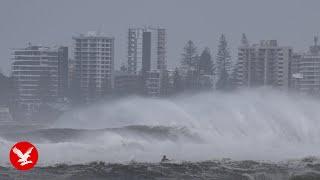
{"type": "Point", "coordinates": [260, 124]}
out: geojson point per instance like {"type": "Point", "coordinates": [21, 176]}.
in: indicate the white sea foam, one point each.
{"type": "Point", "coordinates": [260, 124]}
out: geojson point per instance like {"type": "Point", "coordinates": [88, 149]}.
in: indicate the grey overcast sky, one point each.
{"type": "Point", "coordinates": [54, 22]}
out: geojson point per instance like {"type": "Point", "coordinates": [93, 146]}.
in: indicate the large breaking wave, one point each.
{"type": "Point", "coordinates": [261, 124]}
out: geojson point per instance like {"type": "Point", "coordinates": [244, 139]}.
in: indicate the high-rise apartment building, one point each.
{"type": "Point", "coordinates": [147, 56]}
{"type": "Point", "coordinates": [146, 49]}
{"type": "Point", "coordinates": [94, 64]}
{"type": "Point", "coordinates": [306, 70]}
{"type": "Point", "coordinates": [266, 64]}
{"type": "Point", "coordinates": [135, 38]}
{"type": "Point", "coordinates": [36, 75]}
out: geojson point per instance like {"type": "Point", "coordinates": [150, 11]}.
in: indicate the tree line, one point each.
{"type": "Point", "coordinates": [194, 68]}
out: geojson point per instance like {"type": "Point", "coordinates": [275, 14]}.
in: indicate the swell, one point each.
{"type": "Point", "coordinates": [56, 135]}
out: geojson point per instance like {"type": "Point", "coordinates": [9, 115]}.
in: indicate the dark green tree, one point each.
{"type": "Point", "coordinates": [206, 63]}
{"type": "Point", "coordinates": [234, 76]}
{"type": "Point", "coordinates": [224, 82]}
{"type": "Point", "coordinates": [223, 63]}
{"type": "Point", "coordinates": [190, 65]}
{"type": "Point", "coordinates": [244, 40]}
{"type": "Point", "coordinates": [189, 56]}
{"type": "Point", "coordinates": [177, 82]}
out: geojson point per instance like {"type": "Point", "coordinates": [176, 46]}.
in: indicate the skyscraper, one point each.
{"type": "Point", "coordinates": [147, 56]}
{"type": "Point", "coordinates": [35, 72]}
{"type": "Point", "coordinates": [266, 64]}
{"type": "Point", "coordinates": [135, 37]}
{"type": "Point", "coordinates": [306, 74]}
{"type": "Point", "coordinates": [94, 64]}
{"type": "Point", "coordinates": [146, 49]}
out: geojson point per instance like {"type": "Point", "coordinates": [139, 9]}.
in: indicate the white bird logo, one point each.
{"type": "Point", "coordinates": [23, 157]}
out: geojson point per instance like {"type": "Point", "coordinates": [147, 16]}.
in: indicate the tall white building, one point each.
{"type": "Point", "coordinates": [35, 72]}
{"type": "Point", "coordinates": [147, 56]}
{"type": "Point", "coordinates": [146, 49]}
{"type": "Point", "coordinates": [94, 64]}
{"type": "Point", "coordinates": [135, 37]}
{"type": "Point", "coordinates": [306, 74]}
{"type": "Point", "coordinates": [264, 64]}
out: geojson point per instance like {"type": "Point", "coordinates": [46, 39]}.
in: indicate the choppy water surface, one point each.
{"type": "Point", "coordinates": [305, 169]}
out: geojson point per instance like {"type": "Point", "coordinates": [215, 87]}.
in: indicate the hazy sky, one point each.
{"type": "Point", "coordinates": [54, 22]}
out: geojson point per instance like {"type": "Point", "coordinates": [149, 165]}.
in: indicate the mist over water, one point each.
{"type": "Point", "coordinates": [260, 124]}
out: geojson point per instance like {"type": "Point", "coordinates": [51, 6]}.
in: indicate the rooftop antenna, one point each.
{"type": "Point", "coordinates": [244, 40]}
{"type": "Point", "coordinates": [315, 40]}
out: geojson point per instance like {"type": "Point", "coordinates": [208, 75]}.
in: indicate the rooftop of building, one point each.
{"type": "Point", "coordinates": [315, 48]}
{"type": "Point", "coordinates": [146, 28]}
{"type": "Point", "coordinates": [93, 35]}
{"type": "Point", "coordinates": [39, 47]}
{"type": "Point", "coordinates": [268, 44]}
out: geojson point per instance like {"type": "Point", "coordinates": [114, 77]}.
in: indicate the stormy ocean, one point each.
{"type": "Point", "coordinates": [250, 135]}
